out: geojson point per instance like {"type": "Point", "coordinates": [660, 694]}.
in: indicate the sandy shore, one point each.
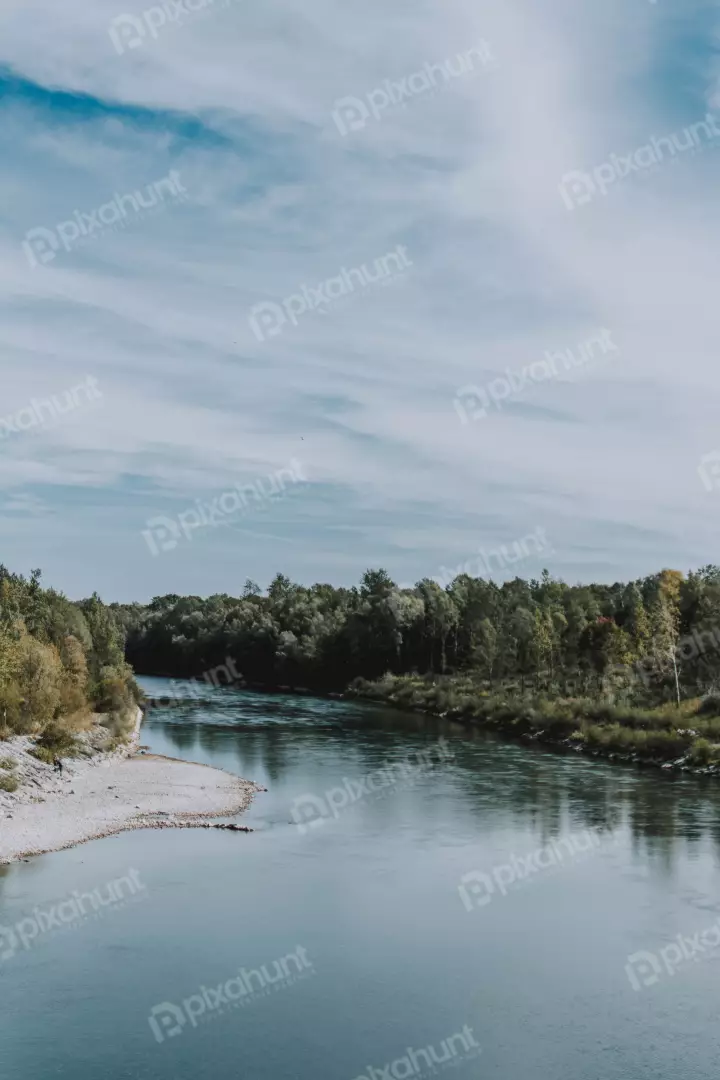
{"type": "Point", "coordinates": [105, 794]}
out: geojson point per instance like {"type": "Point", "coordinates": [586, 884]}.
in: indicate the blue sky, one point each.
{"type": "Point", "coordinates": [284, 184]}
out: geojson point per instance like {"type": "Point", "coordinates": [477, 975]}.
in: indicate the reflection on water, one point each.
{"type": "Point", "coordinates": [497, 781]}
{"type": "Point", "coordinates": [533, 958]}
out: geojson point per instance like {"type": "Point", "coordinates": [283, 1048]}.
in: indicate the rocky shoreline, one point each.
{"type": "Point", "coordinates": [571, 745]}
{"type": "Point", "coordinates": [37, 780]}
{"type": "Point", "coordinates": [102, 793]}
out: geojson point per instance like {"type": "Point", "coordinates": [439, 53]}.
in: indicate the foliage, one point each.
{"type": "Point", "coordinates": [651, 641]}
{"type": "Point", "coordinates": [630, 668]}
{"type": "Point", "coordinates": [56, 739]}
{"type": "Point", "coordinates": [42, 753]}
{"type": "Point", "coordinates": [59, 661]}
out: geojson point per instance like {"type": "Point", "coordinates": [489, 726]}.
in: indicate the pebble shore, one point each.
{"type": "Point", "coordinates": [103, 793]}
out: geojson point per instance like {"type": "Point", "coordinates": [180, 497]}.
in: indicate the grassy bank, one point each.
{"type": "Point", "coordinates": [687, 736]}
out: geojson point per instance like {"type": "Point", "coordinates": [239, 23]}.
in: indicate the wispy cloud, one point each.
{"type": "Point", "coordinates": [239, 104]}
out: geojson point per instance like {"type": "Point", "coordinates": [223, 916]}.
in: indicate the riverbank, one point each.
{"type": "Point", "coordinates": [683, 739]}
{"type": "Point", "coordinates": [103, 793]}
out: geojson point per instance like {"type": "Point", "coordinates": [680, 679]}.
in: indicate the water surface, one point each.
{"type": "Point", "coordinates": [569, 866]}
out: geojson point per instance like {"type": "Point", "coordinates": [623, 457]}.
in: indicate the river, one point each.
{"type": "Point", "coordinates": [416, 899]}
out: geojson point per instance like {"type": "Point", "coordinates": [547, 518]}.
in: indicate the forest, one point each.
{"type": "Point", "coordinates": [647, 641]}
{"type": "Point", "coordinates": [60, 663]}
{"type": "Point", "coordinates": [626, 665]}
{"type": "Point", "coordinates": [629, 669]}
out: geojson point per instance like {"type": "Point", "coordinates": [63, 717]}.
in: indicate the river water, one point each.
{"type": "Point", "coordinates": [416, 899]}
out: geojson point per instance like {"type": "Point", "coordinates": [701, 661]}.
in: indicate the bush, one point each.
{"type": "Point", "coordinates": [709, 728]}
{"type": "Point", "coordinates": [56, 739]}
{"type": "Point", "coordinates": [120, 725]}
{"type": "Point", "coordinates": [9, 783]}
{"type": "Point", "coordinates": [42, 754]}
{"type": "Point", "coordinates": [703, 753]}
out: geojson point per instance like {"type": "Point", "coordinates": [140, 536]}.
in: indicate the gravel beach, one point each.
{"type": "Point", "coordinates": [107, 793]}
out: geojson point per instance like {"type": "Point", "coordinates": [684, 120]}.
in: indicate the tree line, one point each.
{"type": "Point", "coordinates": [647, 641]}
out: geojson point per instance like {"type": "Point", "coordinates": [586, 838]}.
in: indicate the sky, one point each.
{"type": "Point", "coordinates": [319, 287]}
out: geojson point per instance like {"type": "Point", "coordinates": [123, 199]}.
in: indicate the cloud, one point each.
{"type": "Point", "coordinates": [466, 176]}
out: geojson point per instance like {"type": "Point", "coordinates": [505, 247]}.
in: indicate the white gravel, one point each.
{"type": "Point", "coordinates": [107, 794]}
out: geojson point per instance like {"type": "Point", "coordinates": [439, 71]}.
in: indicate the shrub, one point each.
{"type": "Point", "coordinates": [9, 783]}
{"type": "Point", "coordinates": [703, 753]}
{"type": "Point", "coordinates": [56, 739]}
{"type": "Point", "coordinates": [42, 754]}
{"type": "Point", "coordinates": [709, 728]}
{"type": "Point", "coordinates": [120, 725]}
